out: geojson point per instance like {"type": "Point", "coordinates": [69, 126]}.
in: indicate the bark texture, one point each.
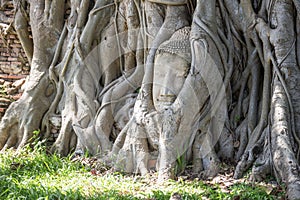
{"type": "Point", "coordinates": [159, 84]}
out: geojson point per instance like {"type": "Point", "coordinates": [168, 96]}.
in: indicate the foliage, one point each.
{"type": "Point", "coordinates": [33, 174]}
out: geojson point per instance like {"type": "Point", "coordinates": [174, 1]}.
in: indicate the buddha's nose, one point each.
{"type": "Point", "coordinates": [165, 91]}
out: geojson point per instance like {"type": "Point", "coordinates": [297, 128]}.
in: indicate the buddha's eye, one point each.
{"type": "Point", "coordinates": [186, 72]}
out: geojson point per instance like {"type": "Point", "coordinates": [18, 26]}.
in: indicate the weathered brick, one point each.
{"type": "Point", "coordinates": [16, 45]}
{"type": "Point", "coordinates": [12, 59]}
{"type": "Point", "coordinates": [16, 63]}
{"type": "Point", "coordinates": [3, 58]}
{"type": "Point", "coordinates": [12, 36]}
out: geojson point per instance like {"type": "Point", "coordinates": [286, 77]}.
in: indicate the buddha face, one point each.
{"type": "Point", "coordinates": [170, 71]}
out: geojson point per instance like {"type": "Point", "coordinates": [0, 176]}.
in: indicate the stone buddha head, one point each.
{"type": "Point", "coordinates": [171, 67]}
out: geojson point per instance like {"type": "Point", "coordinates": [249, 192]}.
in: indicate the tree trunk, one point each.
{"type": "Point", "coordinates": [158, 84]}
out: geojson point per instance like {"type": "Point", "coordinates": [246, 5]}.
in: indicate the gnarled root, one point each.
{"type": "Point", "coordinates": [132, 157]}
{"type": "Point", "coordinates": [24, 116]}
{"type": "Point", "coordinates": [207, 162]}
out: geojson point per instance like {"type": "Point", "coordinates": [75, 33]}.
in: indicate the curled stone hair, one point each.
{"type": "Point", "coordinates": [178, 44]}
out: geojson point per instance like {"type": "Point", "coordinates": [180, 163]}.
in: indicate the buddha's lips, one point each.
{"type": "Point", "coordinates": [167, 98]}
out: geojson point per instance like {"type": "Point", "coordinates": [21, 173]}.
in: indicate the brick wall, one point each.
{"type": "Point", "coordinates": [14, 66]}
{"type": "Point", "coordinates": [12, 57]}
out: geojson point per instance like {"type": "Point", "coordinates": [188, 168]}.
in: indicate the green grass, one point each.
{"type": "Point", "coordinates": [32, 174]}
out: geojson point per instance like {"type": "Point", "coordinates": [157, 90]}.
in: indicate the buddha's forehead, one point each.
{"type": "Point", "coordinates": [167, 61]}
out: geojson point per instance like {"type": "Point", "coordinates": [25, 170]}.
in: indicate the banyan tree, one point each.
{"type": "Point", "coordinates": [144, 84]}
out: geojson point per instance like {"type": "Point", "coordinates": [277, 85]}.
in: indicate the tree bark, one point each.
{"type": "Point", "coordinates": [95, 66]}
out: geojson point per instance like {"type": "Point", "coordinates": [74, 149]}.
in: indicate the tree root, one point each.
{"type": "Point", "coordinates": [16, 129]}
